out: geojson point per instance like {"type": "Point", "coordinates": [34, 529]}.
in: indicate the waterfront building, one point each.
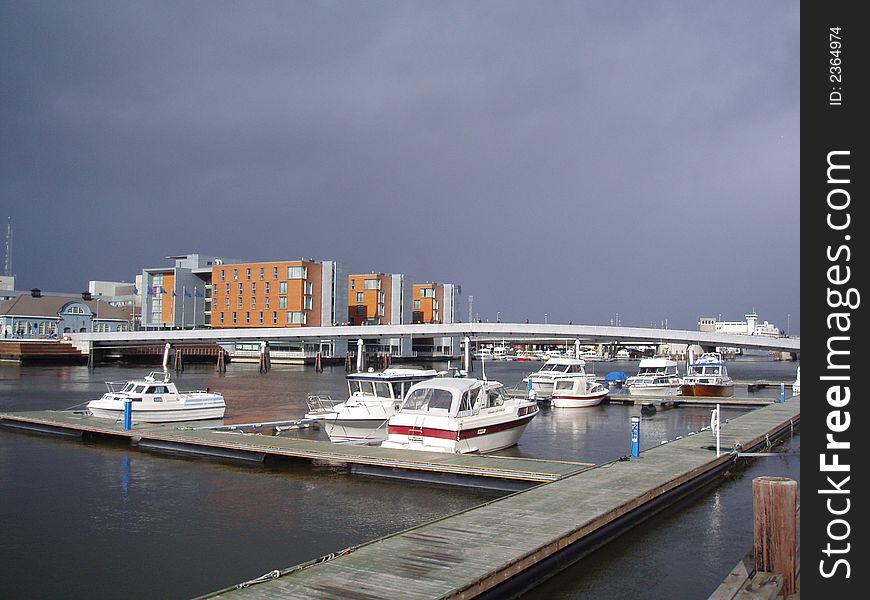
{"type": "Point", "coordinates": [377, 299]}
{"type": "Point", "coordinates": [298, 293]}
{"type": "Point", "coordinates": [435, 303]}
{"type": "Point", "coordinates": [750, 326]}
{"type": "Point", "coordinates": [179, 296]}
{"type": "Point", "coordinates": [38, 316]}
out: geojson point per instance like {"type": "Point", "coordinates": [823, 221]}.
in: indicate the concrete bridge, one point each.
{"type": "Point", "coordinates": [538, 333]}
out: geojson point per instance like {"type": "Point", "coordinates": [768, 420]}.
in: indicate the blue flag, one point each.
{"type": "Point", "coordinates": [186, 293]}
{"type": "Point", "coordinates": [197, 293]}
{"type": "Point", "coordinates": [150, 291]}
{"type": "Point", "coordinates": [173, 293]}
{"type": "Point", "coordinates": [135, 291]}
{"type": "Point", "coordinates": [162, 291]}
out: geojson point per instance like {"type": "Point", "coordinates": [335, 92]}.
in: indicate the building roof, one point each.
{"type": "Point", "coordinates": [26, 305]}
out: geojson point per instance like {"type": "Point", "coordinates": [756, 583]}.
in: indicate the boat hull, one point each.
{"type": "Point", "coordinates": [577, 400]}
{"type": "Point", "coordinates": [653, 390]}
{"type": "Point", "coordinates": [160, 415]}
{"type": "Point", "coordinates": [707, 389]}
{"type": "Point", "coordinates": [473, 439]}
{"type": "Point", "coordinates": [355, 431]}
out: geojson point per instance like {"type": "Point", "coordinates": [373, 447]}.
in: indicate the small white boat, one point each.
{"type": "Point", "coordinates": [796, 386]}
{"type": "Point", "coordinates": [459, 415]}
{"type": "Point", "coordinates": [373, 397]}
{"type": "Point", "coordinates": [623, 354]}
{"type": "Point", "coordinates": [542, 380]}
{"type": "Point", "coordinates": [571, 392]}
{"type": "Point", "coordinates": [655, 377]}
{"type": "Point", "coordinates": [591, 355]}
{"type": "Point", "coordinates": [155, 399]}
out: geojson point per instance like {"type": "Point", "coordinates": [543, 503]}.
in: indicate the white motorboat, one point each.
{"type": "Point", "coordinates": [155, 399]}
{"type": "Point", "coordinates": [655, 377]}
{"type": "Point", "coordinates": [373, 397]}
{"type": "Point", "coordinates": [707, 376]}
{"type": "Point", "coordinates": [459, 415]}
{"type": "Point", "coordinates": [573, 392]}
{"type": "Point", "coordinates": [542, 380]}
{"type": "Point", "coordinates": [623, 354]}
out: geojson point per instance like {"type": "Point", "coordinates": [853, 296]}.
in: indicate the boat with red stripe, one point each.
{"type": "Point", "coordinates": [459, 415]}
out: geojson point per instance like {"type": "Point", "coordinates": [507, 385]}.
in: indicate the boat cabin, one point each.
{"type": "Point", "coordinates": [389, 384]}
{"type": "Point", "coordinates": [558, 366]}
{"type": "Point", "coordinates": [453, 397]}
{"type": "Point", "coordinates": [656, 366]}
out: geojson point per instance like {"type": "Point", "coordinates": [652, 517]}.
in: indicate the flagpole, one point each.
{"type": "Point", "coordinates": [183, 294]}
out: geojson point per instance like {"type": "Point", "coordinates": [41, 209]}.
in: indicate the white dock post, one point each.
{"type": "Point", "coordinates": [360, 350]}
{"type": "Point", "coordinates": [467, 362]}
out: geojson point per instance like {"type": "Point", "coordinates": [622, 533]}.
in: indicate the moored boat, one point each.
{"type": "Point", "coordinates": [459, 415]}
{"type": "Point", "coordinates": [572, 392]}
{"type": "Point", "coordinates": [656, 376]}
{"type": "Point", "coordinates": [155, 399]}
{"type": "Point", "coordinates": [542, 380]}
{"type": "Point", "coordinates": [796, 386]}
{"type": "Point", "coordinates": [707, 376]}
{"type": "Point", "coordinates": [373, 397]}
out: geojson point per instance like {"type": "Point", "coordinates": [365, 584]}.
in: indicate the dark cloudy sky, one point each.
{"type": "Point", "coordinates": [575, 159]}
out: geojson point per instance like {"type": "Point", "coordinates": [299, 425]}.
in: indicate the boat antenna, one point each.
{"type": "Point", "coordinates": [483, 367]}
{"type": "Point", "coordinates": [166, 360]}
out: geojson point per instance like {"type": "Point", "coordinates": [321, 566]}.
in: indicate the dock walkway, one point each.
{"type": "Point", "coordinates": [504, 547]}
{"type": "Point", "coordinates": [499, 472]}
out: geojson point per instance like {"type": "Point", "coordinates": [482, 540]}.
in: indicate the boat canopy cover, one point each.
{"type": "Point", "coordinates": [616, 376]}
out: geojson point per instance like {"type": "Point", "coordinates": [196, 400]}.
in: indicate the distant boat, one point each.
{"type": "Point", "coordinates": [707, 376]}
{"type": "Point", "coordinates": [623, 354]}
{"type": "Point", "coordinates": [655, 376]}
{"type": "Point", "coordinates": [542, 380]}
{"type": "Point", "coordinates": [572, 392]}
{"type": "Point", "coordinates": [616, 378]}
{"type": "Point", "coordinates": [796, 386]}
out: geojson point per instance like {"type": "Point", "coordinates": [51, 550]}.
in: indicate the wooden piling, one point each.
{"type": "Point", "coordinates": [178, 363]}
{"type": "Point", "coordinates": [318, 363]}
{"type": "Point", "coordinates": [774, 505]}
{"type": "Point", "coordinates": [221, 366]}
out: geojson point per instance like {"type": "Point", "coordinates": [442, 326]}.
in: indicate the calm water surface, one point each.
{"type": "Point", "coordinates": [103, 520]}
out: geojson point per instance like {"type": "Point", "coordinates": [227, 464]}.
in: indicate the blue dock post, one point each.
{"type": "Point", "coordinates": [782, 392]}
{"type": "Point", "coordinates": [128, 415]}
{"type": "Point", "coordinates": [635, 436]}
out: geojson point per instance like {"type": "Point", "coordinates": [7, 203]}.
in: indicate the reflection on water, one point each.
{"type": "Point", "coordinates": [94, 513]}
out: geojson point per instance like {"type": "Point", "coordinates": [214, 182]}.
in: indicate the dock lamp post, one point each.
{"type": "Point", "coordinates": [635, 436]}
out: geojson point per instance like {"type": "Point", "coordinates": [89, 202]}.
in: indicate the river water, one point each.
{"type": "Point", "coordinates": [101, 519]}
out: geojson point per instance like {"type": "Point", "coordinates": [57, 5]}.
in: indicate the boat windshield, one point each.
{"type": "Point", "coordinates": [381, 389]}
{"type": "Point", "coordinates": [564, 385]}
{"type": "Point", "coordinates": [128, 388]}
{"type": "Point", "coordinates": [428, 400]}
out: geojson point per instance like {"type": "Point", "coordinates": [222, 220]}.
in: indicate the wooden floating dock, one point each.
{"type": "Point", "coordinates": [504, 547]}
{"type": "Point", "coordinates": [495, 472]}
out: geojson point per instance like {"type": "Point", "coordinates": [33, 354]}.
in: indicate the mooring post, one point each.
{"type": "Point", "coordinates": [774, 506]}
{"type": "Point", "coordinates": [714, 425]}
{"type": "Point", "coordinates": [318, 366]}
{"type": "Point", "coordinates": [635, 436]}
{"type": "Point", "coordinates": [360, 354]}
{"type": "Point", "coordinates": [128, 414]}
{"type": "Point", "coordinates": [782, 392]}
{"type": "Point", "coordinates": [221, 366]}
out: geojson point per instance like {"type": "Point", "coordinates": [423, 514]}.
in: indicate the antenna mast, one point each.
{"type": "Point", "coordinates": [7, 268]}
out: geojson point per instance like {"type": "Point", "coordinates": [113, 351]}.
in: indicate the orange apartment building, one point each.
{"type": "Point", "coordinates": [298, 293]}
{"type": "Point", "coordinates": [375, 299]}
{"type": "Point", "coordinates": [434, 303]}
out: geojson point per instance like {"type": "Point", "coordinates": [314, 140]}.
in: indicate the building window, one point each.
{"type": "Point", "coordinates": [267, 287]}
{"type": "Point", "coordinates": [360, 310]}
{"type": "Point", "coordinates": [248, 273]}
{"type": "Point", "coordinates": [228, 289]}
{"type": "Point", "coordinates": [309, 288]}
{"type": "Point", "coordinates": [297, 272]}
{"type": "Point", "coordinates": [380, 310]}
{"type": "Point", "coordinates": [282, 287]}
{"type": "Point", "coordinates": [253, 302]}
{"type": "Point", "coordinates": [372, 284]}
{"type": "Point", "coordinates": [235, 274]}
{"type": "Point", "coordinates": [308, 303]}
{"type": "Point", "coordinates": [274, 317]}
{"type": "Point", "coordinates": [241, 288]}
{"type": "Point", "coordinates": [223, 275]}
{"type": "Point", "coordinates": [261, 317]}
{"type": "Point", "coordinates": [360, 297]}
{"type": "Point", "coordinates": [239, 302]}
{"type": "Point", "coordinates": [427, 293]}
{"type": "Point", "coordinates": [222, 317]}
{"type": "Point", "coordinates": [353, 284]}
{"type": "Point", "coordinates": [235, 319]}
{"type": "Point", "coordinates": [274, 272]}
{"type": "Point", "coordinates": [282, 302]}
{"type": "Point", "coordinates": [266, 302]}
{"type": "Point", "coordinates": [253, 287]}
{"type": "Point", "coordinates": [262, 273]}
{"type": "Point", "coordinates": [417, 316]}
{"type": "Point", "coordinates": [416, 304]}
{"type": "Point", "coordinates": [296, 317]}
{"type": "Point", "coordinates": [227, 302]}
